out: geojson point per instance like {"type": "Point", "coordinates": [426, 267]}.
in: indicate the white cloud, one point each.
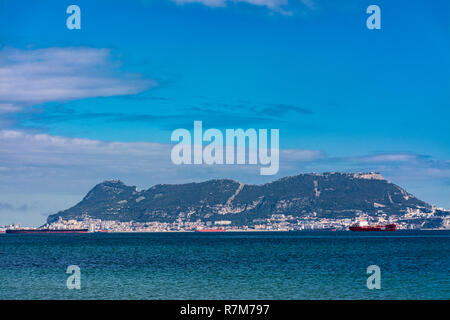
{"type": "Point", "coordinates": [309, 3]}
{"type": "Point", "coordinates": [271, 4]}
{"type": "Point", "coordinates": [22, 150]}
{"type": "Point", "coordinates": [284, 7]}
{"type": "Point", "coordinates": [36, 159]}
{"type": "Point", "coordinates": [32, 159]}
{"type": "Point", "coordinates": [8, 107]}
{"type": "Point", "coordinates": [209, 3]}
{"type": "Point", "coordinates": [394, 157]}
{"type": "Point", "coordinates": [61, 74]}
{"type": "Point", "coordinates": [301, 155]}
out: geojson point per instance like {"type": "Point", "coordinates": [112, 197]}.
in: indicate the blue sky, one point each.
{"type": "Point", "coordinates": [81, 106]}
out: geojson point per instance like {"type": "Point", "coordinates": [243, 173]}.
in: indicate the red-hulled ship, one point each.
{"type": "Point", "coordinates": [363, 226]}
{"type": "Point", "coordinates": [37, 231]}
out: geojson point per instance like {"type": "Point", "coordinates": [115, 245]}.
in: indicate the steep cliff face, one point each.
{"type": "Point", "coordinates": [335, 195]}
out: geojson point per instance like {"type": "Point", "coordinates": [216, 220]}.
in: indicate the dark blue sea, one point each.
{"type": "Point", "coordinates": [231, 265]}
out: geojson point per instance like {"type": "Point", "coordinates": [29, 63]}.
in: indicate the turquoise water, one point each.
{"type": "Point", "coordinates": [288, 265]}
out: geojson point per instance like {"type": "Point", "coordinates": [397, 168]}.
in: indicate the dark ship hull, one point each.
{"type": "Point", "coordinates": [39, 231]}
{"type": "Point", "coordinates": [388, 227]}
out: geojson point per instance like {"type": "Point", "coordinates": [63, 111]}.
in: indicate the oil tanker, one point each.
{"type": "Point", "coordinates": [39, 231]}
{"type": "Point", "coordinates": [363, 226]}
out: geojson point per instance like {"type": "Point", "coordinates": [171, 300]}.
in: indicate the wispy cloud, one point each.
{"type": "Point", "coordinates": [309, 3]}
{"type": "Point", "coordinates": [35, 156]}
{"type": "Point", "coordinates": [209, 3]}
{"type": "Point", "coordinates": [4, 206]}
{"type": "Point", "coordinates": [8, 107]}
{"type": "Point", "coordinates": [406, 164]}
{"type": "Point", "coordinates": [43, 159]}
{"type": "Point", "coordinates": [274, 5]}
{"type": "Point", "coordinates": [61, 74]}
{"type": "Point", "coordinates": [389, 158]}
{"type": "Point", "coordinates": [279, 108]}
{"type": "Point", "coordinates": [214, 115]}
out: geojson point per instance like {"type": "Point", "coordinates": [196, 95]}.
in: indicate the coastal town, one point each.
{"type": "Point", "coordinates": [412, 220]}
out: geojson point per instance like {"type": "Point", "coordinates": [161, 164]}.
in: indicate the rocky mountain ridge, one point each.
{"type": "Point", "coordinates": [328, 195]}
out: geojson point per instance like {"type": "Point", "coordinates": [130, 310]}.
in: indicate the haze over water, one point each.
{"type": "Point", "coordinates": [278, 265]}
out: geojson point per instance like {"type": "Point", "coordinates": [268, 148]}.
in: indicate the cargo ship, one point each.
{"type": "Point", "coordinates": [39, 231]}
{"type": "Point", "coordinates": [210, 230]}
{"type": "Point", "coordinates": [363, 226]}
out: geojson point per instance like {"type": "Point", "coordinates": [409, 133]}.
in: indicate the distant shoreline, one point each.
{"type": "Point", "coordinates": [254, 231]}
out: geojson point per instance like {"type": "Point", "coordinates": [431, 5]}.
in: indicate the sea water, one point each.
{"type": "Point", "coordinates": [227, 265]}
